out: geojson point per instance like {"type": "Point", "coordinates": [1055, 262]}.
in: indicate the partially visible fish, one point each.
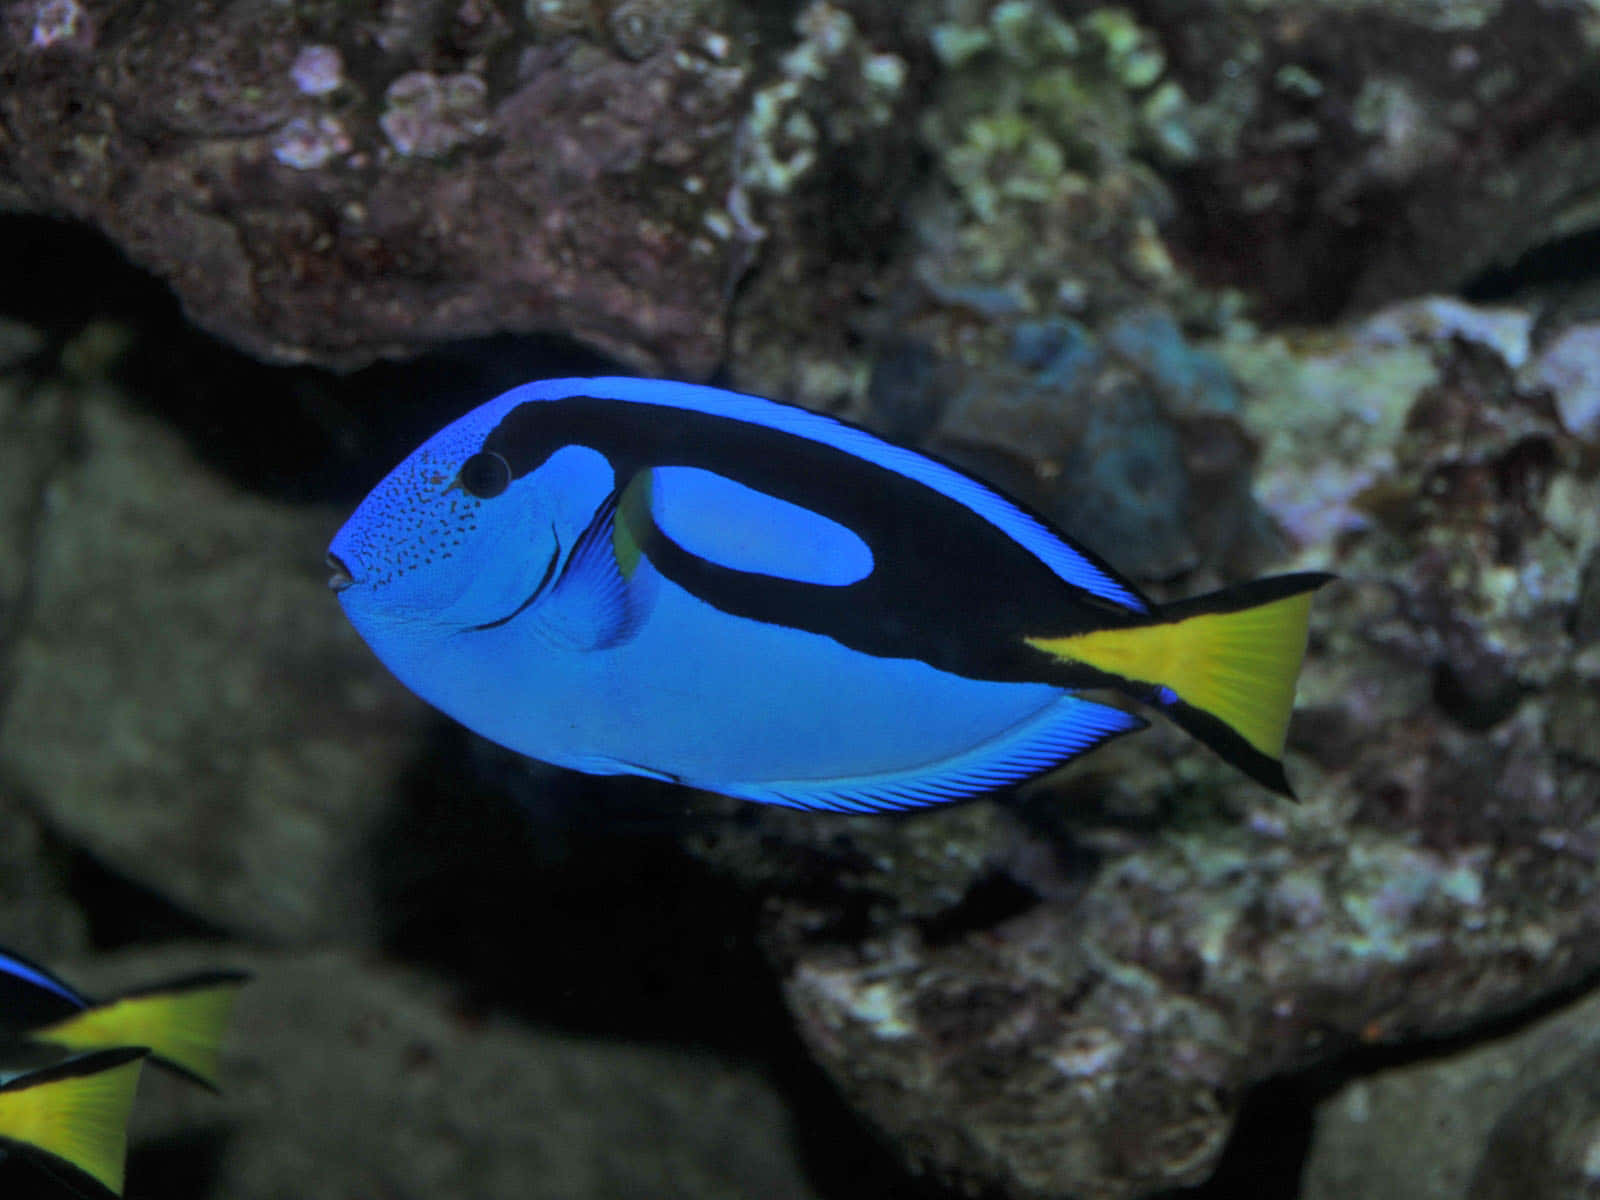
{"type": "Point", "coordinates": [72, 1112]}
{"type": "Point", "coordinates": [180, 1022]}
{"type": "Point", "coordinates": [631, 576]}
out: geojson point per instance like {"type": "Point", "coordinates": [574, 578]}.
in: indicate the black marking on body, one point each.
{"type": "Point", "coordinates": [25, 1004]}
{"type": "Point", "coordinates": [947, 587]}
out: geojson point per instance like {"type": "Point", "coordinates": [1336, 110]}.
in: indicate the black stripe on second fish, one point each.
{"type": "Point", "coordinates": [73, 1066]}
{"type": "Point", "coordinates": [947, 587]}
{"type": "Point", "coordinates": [26, 1005]}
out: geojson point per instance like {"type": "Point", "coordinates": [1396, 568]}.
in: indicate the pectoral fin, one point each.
{"type": "Point", "coordinates": [598, 600]}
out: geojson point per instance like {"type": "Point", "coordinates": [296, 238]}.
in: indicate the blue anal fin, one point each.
{"type": "Point", "coordinates": [593, 605]}
{"type": "Point", "coordinates": [1066, 729]}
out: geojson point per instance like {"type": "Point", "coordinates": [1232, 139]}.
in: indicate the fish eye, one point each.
{"type": "Point", "coordinates": [485, 475]}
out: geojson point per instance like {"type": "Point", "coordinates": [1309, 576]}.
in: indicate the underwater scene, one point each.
{"type": "Point", "coordinates": [804, 600]}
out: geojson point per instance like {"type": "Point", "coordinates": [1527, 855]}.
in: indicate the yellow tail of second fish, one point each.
{"type": "Point", "coordinates": [77, 1112]}
{"type": "Point", "coordinates": [181, 1023]}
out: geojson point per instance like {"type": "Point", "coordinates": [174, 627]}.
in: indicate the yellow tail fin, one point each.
{"type": "Point", "coordinates": [182, 1024]}
{"type": "Point", "coordinates": [76, 1112]}
{"type": "Point", "coordinates": [1222, 666]}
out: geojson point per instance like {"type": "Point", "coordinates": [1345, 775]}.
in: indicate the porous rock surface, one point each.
{"type": "Point", "coordinates": [332, 183]}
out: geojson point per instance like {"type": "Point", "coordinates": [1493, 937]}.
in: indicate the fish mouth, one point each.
{"type": "Point", "coordinates": [341, 577]}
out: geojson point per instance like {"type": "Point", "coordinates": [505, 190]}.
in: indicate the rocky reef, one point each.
{"type": "Point", "coordinates": [1072, 998]}
{"type": "Point", "coordinates": [331, 183]}
{"type": "Point", "coordinates": [1221, 289]}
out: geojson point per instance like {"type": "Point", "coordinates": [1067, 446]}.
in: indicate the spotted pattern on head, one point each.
{"type": "Point", "coordinates": [417, 516]}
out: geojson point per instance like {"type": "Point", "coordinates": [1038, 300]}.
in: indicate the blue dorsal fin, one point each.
{"type": "Point", "coordinates": [593, 605]}
{"type": "Point", "coordinates": [728, 523]}
{"type": "Point", "coordinates": [1065, 729]}
{"type": "Point", "coordinates": [1071, 563]}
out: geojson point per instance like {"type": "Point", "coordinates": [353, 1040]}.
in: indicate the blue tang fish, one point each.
{"type": "Point", "coordinates": [630, 576]}
{"type": "Point", "coordinates": [181, 1021]}
{"type": "Point", "coordinates": [70, 1110]}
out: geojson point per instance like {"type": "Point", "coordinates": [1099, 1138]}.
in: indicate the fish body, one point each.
{"type": "Point", "coordinates": [680, 582]}
{"type": "Point", "coordinates": [70, 1110]}
{"type": "Point", "coordinates": [180, 1022]}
